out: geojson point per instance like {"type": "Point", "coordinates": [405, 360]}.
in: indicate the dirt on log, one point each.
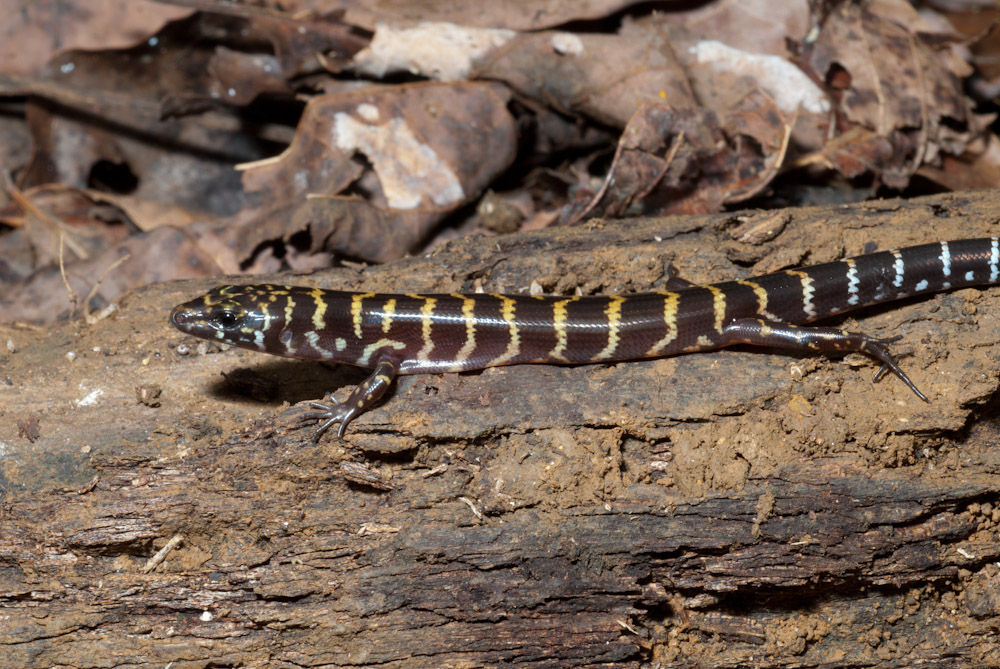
{"type": "Point", "coordinates": [158, 506]}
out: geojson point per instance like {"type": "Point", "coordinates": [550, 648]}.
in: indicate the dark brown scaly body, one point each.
{"type": "Point", "coordinates": [413, 334]}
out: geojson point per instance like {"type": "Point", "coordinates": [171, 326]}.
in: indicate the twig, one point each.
{"type": "Point", "coordinates": [779, 160]}
{"type": "Point", "coordinates": [74, 299]}
{"type": "Point", "coordinates": [668, 161]}
{"type": "Point", "coordinates": [602, 190]}
{"type": "Point", "coordinates": [472, 505]}
{"type": "Point", "coordinates": [38, 213]}
{"type": "Point", "coordinates": [162, 553]}
{"type": "Point", "coordinates": [93, 291]}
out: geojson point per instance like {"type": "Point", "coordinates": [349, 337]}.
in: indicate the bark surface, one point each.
{"type": "Point", "coordinates": [728, 509]}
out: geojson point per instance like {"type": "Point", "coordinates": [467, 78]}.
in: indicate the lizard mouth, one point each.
{"type": "Point", "coordinates": [182, 318]}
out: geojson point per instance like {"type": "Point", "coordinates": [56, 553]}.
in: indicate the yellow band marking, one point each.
{"type": "Point", "coordinates": [289, 309]}
{"type": "Point", "coordinates": [356, 311]}
{"type": "Point", "coordinates": [288, 325]}
{"type": "Point", "coordinates": [670, 301]}
{"type": "Point", "coordinates": [559, 318]}
{"type": "Point", "coordinates": [388, 311]}
{"type": "Point", "coordinates": [426, 324]}
{"type": "Point", "coordinates": [718, 306]}
{"type": "Point", "coordinates": [267, 317]}
{"type": "Point", "coordinates": [267, 298]}
{"type": "Point", "coordinates": [319, 313]}
{"type": "Point", "coordinates": [760, 294]}
{"type": "Point", "coordinates": [614, 315]}
{"type": "Point", "coordinates": [366, 354]}
{"type": "Point", "coordinates": [807, 292]}
{"type": "Point", "coordinates": [853, 282]}
{"type": "Point", "coordinates": [469, 316]}
{"type": "Point", "coordinates": [508, 313]}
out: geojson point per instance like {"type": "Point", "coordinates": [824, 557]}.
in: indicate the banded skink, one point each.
{"type": "Point", "coordinates": [420, 334]}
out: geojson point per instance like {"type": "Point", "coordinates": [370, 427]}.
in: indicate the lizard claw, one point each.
{"type": "Point", "coordinates": [330, 412]}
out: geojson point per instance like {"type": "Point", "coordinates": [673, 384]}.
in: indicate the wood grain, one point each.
{"type": "Point", "coordinates": [724, 509]}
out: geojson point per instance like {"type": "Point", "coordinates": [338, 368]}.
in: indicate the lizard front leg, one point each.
{"type": "Point", "coordinates": [362, 398]}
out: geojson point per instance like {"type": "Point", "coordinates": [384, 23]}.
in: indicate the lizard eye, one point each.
{"type": "Point", "coordinates": [226, 318]}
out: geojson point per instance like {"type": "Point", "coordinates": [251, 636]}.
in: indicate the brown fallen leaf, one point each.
{"type": "Point", "coordinates": [672, 162]}
{"type": "Point", "coordinates": [371, 171]}
{"type": "Point", "coordinates": [751, 26]}
{"type": "Point", "coordinates": [732, 81]}
{"type": "Point", "coordinates": [56, 220]}
{"type": "Point", "coordinates": [901, 85]}
{"type": "Point", "coordinates": [605, 77]}
{"type": "Point", "coordinates": [150, 257]}
{"type": "Point", "coordinates": [31, 33]}
{"type": "Point", "coordinates": [515, 14]}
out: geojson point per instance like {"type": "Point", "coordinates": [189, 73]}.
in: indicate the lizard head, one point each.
{"type": "Point", "coordinates": [237, 315]}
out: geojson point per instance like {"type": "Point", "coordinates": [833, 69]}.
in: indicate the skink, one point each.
{"type": "Point", "coordinates": [424, 334]}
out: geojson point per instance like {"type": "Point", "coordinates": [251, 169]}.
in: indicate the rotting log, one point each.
{"type": "Point", "coordinates": [728, 509]}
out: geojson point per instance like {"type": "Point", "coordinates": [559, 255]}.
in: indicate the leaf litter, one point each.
{"type": "Point", "coordinates": [194, 138]}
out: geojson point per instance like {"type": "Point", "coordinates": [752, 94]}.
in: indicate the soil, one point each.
{"type": "Point", "coordinates": [731, 509]}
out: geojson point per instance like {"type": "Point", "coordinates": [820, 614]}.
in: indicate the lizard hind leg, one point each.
{"type": "Point", "coordinates": [760, 332]}
{"type": "Point", "coordinates": [675, 281]}
{"type": "Point", "coordinates": [362, 398]}
{"type": "Point", "coordinates": [877, 349]}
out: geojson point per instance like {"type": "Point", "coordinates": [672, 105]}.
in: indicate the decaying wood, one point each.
{"type": "Point", "coordinates": [730, 509]}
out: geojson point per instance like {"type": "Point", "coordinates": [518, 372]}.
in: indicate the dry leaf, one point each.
{"type": "Point", "coordinates": [894, 82]}
{"type": "Point", "coordinates": [371, 171]}
{"type": "Point", "coordinates": [514, 14]}
{"type": "Point", "coordinates": [605, 77]}
{"type": "Point", "coordinates": [32, 32]}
